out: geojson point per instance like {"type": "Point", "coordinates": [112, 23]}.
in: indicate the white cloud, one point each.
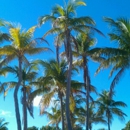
{"type": "Point", "coordinates": [6, 113]}
{"type": "Point", "coordinates": [36, 101]}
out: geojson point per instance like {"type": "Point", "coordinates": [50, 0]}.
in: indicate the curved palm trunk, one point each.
{"type": "Point", "coordinates": [24, 109]}
{"type": "Point", "coordinates": [69, 59]}
{"type": "Point", "coordinates": [17, 113]}
{"type": "Point", "coordinates": [87, 87]}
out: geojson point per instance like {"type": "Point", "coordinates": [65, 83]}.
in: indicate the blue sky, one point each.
{"type": "Point", "coordinates": [27, 12]}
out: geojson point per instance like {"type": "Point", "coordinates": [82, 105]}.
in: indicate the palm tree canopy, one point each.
{"type": "Point", "coordinates": [117, 57]}
{"type": "Point", "coordinates": [109, 107]}
{"type": "Point", "coordinates": [54, 79]}
{"type": "Point", "coordinates": [22, 44]}
{"type": "Point", "coordinates": [63, 19]}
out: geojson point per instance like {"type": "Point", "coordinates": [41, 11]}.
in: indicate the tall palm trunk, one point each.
{"type": "Point", "coordinates": [87, 87]}
{"type": "Point", "coordinates": [62, 111]}
{"type": "Point", "coordinates": [90, 127]}
{"type": "Point", "coordinates": [17, 113]}
{"type": "Point", "coordinates": [60, 94]}
{"type": "Point", "coordinates": [68, 95]}
{"type": "Point", "coordinates": [24, 109]}
{"type": "Point", "coordinates": [57, 53]}
{"type": "Point", "coordinates": [108, 120]}
{"type": "Point", "coordinates": [68, 51]}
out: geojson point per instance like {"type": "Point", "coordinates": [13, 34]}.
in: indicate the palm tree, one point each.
{"type": "Point", "coordinates": [64, 22]}
{"type": "Point", "coordinates": [22, 44]}
{"type": "Point", "coordinates": [84, 54]}
{"type": "Point", "coordinates": [55, 77]}
{"type": "Point", "coordinates": [117, 57]}
{"type": "Point", "coordinates": [48, 128]}
{"type": "Point", "coordinates": [3, 124]}
{"type": "Point", "coordinates": [55, 80]}
{"type": "Point", "coordinates": [80, 113]}
{"type": "Point", "coordinates": [95, 118]}
{"type": "Point", "coordinates": [32, 128]}
{"type": "Point", "coordinates": [28, 77]}
{"type": "Point", "coordinates": [108, 107]}
{"type": "Point", "coordinates": [54, 116]}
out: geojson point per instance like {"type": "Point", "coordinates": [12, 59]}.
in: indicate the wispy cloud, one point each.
{"type": "Point", "coordinates": [6, 113]}
{"type": "Point", "coordinates": [36, 101]}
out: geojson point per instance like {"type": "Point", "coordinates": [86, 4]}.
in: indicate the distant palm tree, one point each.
{"type": "Point", "coordinates": [32, 128]}
{"type": "Point", "coordinates": [22, 44]}
{"type": "Point", "coordinates": [80, 116]}
{"type": "Point", "coordinates": [48, 128]}
{"type": "Point", "coordinates": [3, 124]}
{"type": "Point", "coordinates": [108, 107]}
{"type": "Point", "coordinates": [54, 117]}
{"type": "Point", "coordinates": [64, 22]}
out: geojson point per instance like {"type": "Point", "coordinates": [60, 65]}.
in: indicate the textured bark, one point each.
{"type": "Point", "coordinates": [69, 59]}
{"type": "Point", "coordinates": [87, 87]}
{"type": "Point", "coordinates": [68, 95]}
{"type": "Point", "coordinates": [17, 113]}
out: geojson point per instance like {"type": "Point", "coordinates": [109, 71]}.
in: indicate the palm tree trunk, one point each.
{"type": "Point", "coordinates": [68, 94]}
{"type": "Point", "coordinates": [57, 128]}
{"type": "Point", "coordinates": [24, 109]}
{"type": "Point", "coordinates": [57, 53]}
{"type": "Point", "coordinates": [17, 113]}
{"type": "Point", "coordinates": [108, 122]}
{"type": "Point", "coordinates": [87, 87]}
{"type": "Point", "coordinates": [62, 111]}
{"type": "Point", "coordinates": [69, 59]}
{"type": "Point", "coordinates": [90, 127]}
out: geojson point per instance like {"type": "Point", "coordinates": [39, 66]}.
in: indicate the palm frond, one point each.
{"type": "Point", "coordinates": [52, 31]}
{"type": "Point", "coordinates": [45, 101]}
{"type": "Point", "coordinates": [82, 21]}
{"type": "Point", "coordinates": [119, 104]}
{"type": "Point", "coordinates": [4, 36]}
{"type": "Point", "coordinates": [58, 10]}
{"type": "Point", "coordinates": [45, 18]}
{"type": "Point", "coordinates": [116, 80]}
{"type": "Point", "coordinates": [37, 50]}
{"type": "Point", "coordinates": [15, 35]}
{"type": "Point", "coordinates": [8, 69]}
